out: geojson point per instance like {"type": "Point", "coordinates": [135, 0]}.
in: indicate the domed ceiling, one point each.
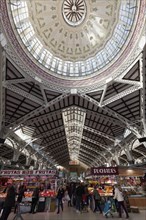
{"type": "Point", "coordinates": [72, 30]}
{"type": "Point", "coordinates": [72, 41]}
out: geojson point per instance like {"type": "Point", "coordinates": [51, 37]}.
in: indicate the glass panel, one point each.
{"type": "Point", "coordinates": [121, 32]}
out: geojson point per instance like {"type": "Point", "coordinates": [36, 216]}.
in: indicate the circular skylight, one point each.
{"type": "Point", "coordinates": [74, 38]}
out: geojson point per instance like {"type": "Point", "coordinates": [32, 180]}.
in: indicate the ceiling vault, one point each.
{"type": "Point", "coordinates": [72, 95]}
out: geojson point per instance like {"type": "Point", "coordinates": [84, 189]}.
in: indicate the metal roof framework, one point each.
{"type": "Point", "coordinates": [102, 121]}
{"type": "Point", "coordinates": [38, 111]}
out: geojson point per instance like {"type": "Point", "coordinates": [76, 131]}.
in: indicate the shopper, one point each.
{"type": "Point", "coordinates": [9, 201]}
{"type": "Point", "coordinates": [97, 199]}
{"type": "Point", "coordinates": [118, 195]}
{"type": "Point", "coordinates": [79, 193]}
{"type": "Point", "coordinates": [70, 193]}
{"type": "Point", "coordinates": [86, 191]}
{"type": "Point", "coordinates": [60, 195]}
{"type": "Point", "coordinates": [116, 202]}
{"type": "Point", "coordinates": [35, 199]}
{"type": "Point", "coordinates": [20, 194]}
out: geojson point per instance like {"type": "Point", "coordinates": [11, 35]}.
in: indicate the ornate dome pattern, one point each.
{"type": "Point", "coordinates": [69, 50]}
{"type": "Point", "coordinates": [74, 12]}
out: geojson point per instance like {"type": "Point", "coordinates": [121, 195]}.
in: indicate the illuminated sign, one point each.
{"type": "Point", "coordinates": [27, 172]}
{"type": "Point", "coordinates": [104, 171]}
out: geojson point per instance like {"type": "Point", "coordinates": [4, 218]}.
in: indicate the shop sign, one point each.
{"type": "Point", "coordinates": [28, 172]}
{"type": "Point", "coordinates": [99, 171]}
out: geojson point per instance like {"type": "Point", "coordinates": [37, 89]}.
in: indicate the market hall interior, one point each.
{"type": "Point", "coordinates": [72, 108]}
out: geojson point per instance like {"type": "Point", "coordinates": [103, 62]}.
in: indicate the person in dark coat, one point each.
{"type": "Point", "coordinates": [97, 199]}
{"type": "Point", "coordinates": [9, 201]}
{"type": "Point", "coordinates": [79, 193]}
{"type": "Point", "coordinates": [60, 195]}
{"type": "Point", "coordinates": [20, 194]}
{"type": "Point", "coordinates": [35, 199]}
{"type": "Point", "coordinates": [70, 193]}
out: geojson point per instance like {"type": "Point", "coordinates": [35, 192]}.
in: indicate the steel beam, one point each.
{"type": "Point", "coordinates": [55, 141]}
{"type": "Point", "coordinates": [121, 95]}
{"type": "Point", "coordinates": [23, 93]}
{"type": "Point", "coordinates": [129, 82]}
{"type": "Point", "coordinates": [100, 133]}
{"type": "Point", "coordinates": [15, 125]}
{"type": "Point", "coordinates": [83, 158]}
{"type": "Point", "coordinates": [61, 156]}
{"type": "Point", "coordinates": [2, 92]}
{"type": "Point", "coordinates": [88, 152]}
{"type": "Point", "coordinates": [127, 123]}
{"type": "Point", "coordinates": [52, 131]}
{"type": "Point", "coordinates": [98, 152]}
{"type": "Point", "coordinates": [58, 112]}
{"type": "Point", "coordinates": [97, 143]}
{"type": "Point", "coordinates": [7, 152]}
{"type": "Point", "coordinates": [142, 64]}
{"type": "Point", "coordinates": [128, 154]}
{"type": "Point", "coordinates": [43, 94]}
{"type": "Point", "coordinates": [138, 151]}
{"type": "Point", "coordinates": [58, 148]}
{"type": "Point", "coordinates": [123, 159]}
{"type": "Point", "coordinates": [129, 66]}
{"type": "Point", "coordinates": [44, 116]}
{"type": "Point", "coordinates": [87, 155]}
{"type": "Point", "coordinates": [103, 94]}
{"type": "Point", "coordinates": [107, 118]}
{"type": "Point", "coordinates": [16, 81]}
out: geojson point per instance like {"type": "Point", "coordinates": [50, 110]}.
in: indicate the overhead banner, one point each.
{"type": "Point", "coordinates": [100, 171]}
{"type": "Point", "coordinates": [27, 172]}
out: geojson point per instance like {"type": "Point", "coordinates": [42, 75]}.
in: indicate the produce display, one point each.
{"type": "Point", "coordinates": [106, 191]}
{"type": "Point", "coordinates": [2, 196]}
{"type": "Point", "coordinates": [30, 183]}
{"type": "Point", "coordinates": [45, 193]}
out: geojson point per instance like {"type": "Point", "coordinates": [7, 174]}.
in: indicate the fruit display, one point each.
{"type": "Point", "coordinates": [45, 193]}
{"type": "Point", "coordinates": [3, 196]}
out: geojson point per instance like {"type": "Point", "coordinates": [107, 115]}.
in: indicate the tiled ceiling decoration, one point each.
{"type": "Point", "coordinates": [73, 38]}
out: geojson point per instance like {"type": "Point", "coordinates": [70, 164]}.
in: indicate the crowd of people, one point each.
{"type": "Point", "coordinates": [76, 195]}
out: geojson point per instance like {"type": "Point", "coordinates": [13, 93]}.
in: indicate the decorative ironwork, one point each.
{"type": "Point", "coordinates": [74, 11]}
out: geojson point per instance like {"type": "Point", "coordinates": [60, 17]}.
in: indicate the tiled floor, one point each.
{"type": "Point", "coordinates": [70, 214]}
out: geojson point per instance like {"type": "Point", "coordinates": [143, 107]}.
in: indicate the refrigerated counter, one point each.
{"type": "Point", "coordinates": [138, 201]}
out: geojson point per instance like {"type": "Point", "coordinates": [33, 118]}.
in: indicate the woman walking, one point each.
{"type": "Point", "coordinates": [118, 195]}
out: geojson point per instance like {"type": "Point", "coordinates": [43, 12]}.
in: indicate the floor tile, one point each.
{"type": "Point", "coordinates": [70, 214]}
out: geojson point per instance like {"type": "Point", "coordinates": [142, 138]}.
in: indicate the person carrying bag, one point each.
{"type": "Point", "coordinates": [97, 199]}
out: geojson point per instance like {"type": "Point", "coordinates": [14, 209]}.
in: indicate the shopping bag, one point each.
{"type": "Point", "coordinates": [67, 198]}
{"type": "Point", "coordinates": [1, 211]}
{"type": "Point", "coordinates": [25, 208]}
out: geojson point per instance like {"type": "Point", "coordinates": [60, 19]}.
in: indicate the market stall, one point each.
{"type": "Point", "coordinates": [47, 179]}
{"type": "Point", "coordinates": [129, 178]}
{"type": "Point", "coordinates": [132, 181]}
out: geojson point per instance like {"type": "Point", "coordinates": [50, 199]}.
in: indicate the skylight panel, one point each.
{"type": "Point", "coordinates": [121, 32]}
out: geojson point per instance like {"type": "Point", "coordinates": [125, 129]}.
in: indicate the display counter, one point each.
{"type": "Point", "coordinates": [46, 199]}
{"type": "Point", "coordinates": [107, 191]}
{"type": "Point", "coordinates": [138, 201]}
